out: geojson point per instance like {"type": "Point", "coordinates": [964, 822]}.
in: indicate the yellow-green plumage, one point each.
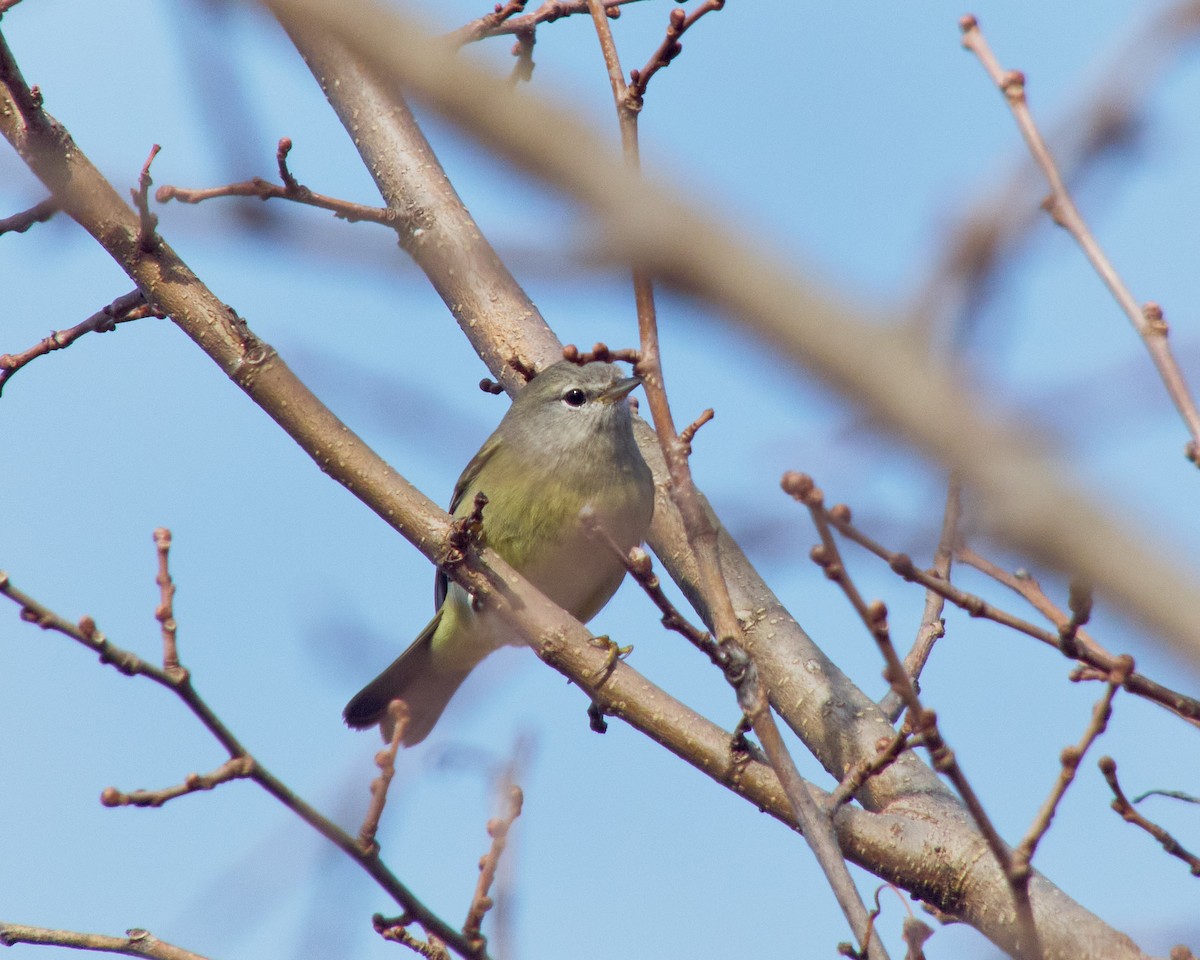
{"type": "Point", "coordinates": [565, 447]}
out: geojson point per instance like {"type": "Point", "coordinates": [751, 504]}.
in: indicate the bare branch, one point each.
{"type": "Point", "coordinates": [1071, 758]}
{"type": "Point", "coordinates": [131, 306]}
{"type": "Point", "coordinates": [933, 627]}
{"type": "Point", "coordinates": [1085, 649]}
{"type": "Point", "coordinates": [385, 760]}
{"type": "Point", "coordinates": [241, 765]}
{"type": "Point", "coordinates": [920, 719]}
{"type": "Point", "coordinates": [1096, 659]}
{"type": "Point", "coordinates": [290, 189]}
{"type": "Point", "coordinates": [668, 50]}
{"type": "Point", "coordinates": [1147, 319]}
{"type": "Point", "coordinates": [396, 930]}
{"type": "Point", "coordinates": [1108, 766]}
{"type": "Point", "coordinates": [236, 768]}
{"type": "Point", "coordinates": [497, 829]}
{"type": "Point", "coordinates": [148, 222]}
{"type": "Point", "coordinates": [165, 613]}
{"type": "Point", "coordinates": [38, 213]}
{"type": "Point", "coordinates": [135, 943]}
{"type": "Point", "coordinates": [486, 25]}
{"type": "Point", "coordinates": [493, 25]}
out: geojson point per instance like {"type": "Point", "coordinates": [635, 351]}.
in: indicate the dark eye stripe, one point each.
{"type": "Point", "coordinates": [574, 397]}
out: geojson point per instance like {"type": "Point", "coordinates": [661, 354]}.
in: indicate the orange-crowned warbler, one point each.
{"type": "Point", "coordinates": [564, 449]}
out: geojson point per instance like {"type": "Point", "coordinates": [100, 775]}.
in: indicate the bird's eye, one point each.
{"type": "Point", "coordinates": [574, 397]}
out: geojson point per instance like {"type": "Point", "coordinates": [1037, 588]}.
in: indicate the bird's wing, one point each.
{"type": "Point", "coordinates": [465, 482]}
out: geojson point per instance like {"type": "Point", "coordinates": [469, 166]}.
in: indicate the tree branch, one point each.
{"type": "Point", "coordinates": [1147, 319]}
{"type": "Point", "coordinates": [135, 943]}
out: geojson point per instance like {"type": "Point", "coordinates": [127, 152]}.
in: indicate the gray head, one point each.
{"type": "Point", "coordinates": [570, 404]}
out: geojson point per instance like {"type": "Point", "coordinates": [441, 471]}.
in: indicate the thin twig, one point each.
{"type": "Point", "coordinates": [1089, 653]}
{"type": "Point", "coordinates": [889, 750]}
{"type": "Point", "coordinates": [165, 612]}
{"type": "Point", "coordinates": [921, 719]}
{"type": "Point", "coordinates": [385, 760]}
{"type": "Point", "coordinates": [1099, 662]}
{"type": "Point", "coordinates": [688, 433]}
{"type": "Point", "coordinates": [86, 633]}
{"type": "Point", "coordinates": [135, 943]}
{"type": "Point", "coordinates": [1108, 121]}
{"type": "Point", "coordinates": [38, 213]}
{"type": "Point", "coordinates": [396, 930]}
{"type": "Point", "coordinates": [289, 189]}
{"type": "Point", "coordinates": [131, 306]}
{"type": "Point", "coordinates": [678, 24]}
{"type": "Point", "coordinates": [639, 565]}
{"type": "Point", "coordinates": [1070, 759]}
{"type": "Point", "coordinates": [148, 222]}
{"type": "Point", "coordinates": [933, 627]}
{"type": "Point", "coordinates": [236, 768]}
{"type": "Point", "coordinates": [497, 829]}
{"type": "Point", "coordinates": [1108, 766]}
{"type": "Point", "coordinates": [489, 26]}
{"type": "Point", "coordinates": [602, 353]}
{"type": "Point", "coordinates": [486, 25]}
{"type": "Point", "coordinates": [1147, 319]}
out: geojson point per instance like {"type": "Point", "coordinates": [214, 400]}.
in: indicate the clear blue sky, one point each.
{"type": "Point", "coordinates": [849, 135]}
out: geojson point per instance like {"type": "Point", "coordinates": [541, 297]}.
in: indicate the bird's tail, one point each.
{"type": "Point", "coordinates": [423, 681]}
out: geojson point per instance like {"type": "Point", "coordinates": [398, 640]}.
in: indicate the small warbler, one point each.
{"type": "Point", "coordinates": [565, 448]}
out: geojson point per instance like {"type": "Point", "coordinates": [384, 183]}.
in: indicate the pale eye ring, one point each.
{"type": "Point", "coordinates": [574, 397]}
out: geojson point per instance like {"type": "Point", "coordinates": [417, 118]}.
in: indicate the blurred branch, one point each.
{"type": "Point", "coordinates": [135, 943]}
{"type": "Point", "coordinates": [1147, 319]}
{"type": "Point", "coordinates": [20, 222]}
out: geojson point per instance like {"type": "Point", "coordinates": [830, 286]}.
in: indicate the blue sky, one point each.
{"type": "Point", "coordinates": [851, 136]}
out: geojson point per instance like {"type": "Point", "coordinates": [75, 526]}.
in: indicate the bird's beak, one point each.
{"type": "Point", "coordinates": [619, 390]}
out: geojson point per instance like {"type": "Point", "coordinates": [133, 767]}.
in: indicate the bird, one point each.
{"type": "Point", "coordinates": [565, 450]}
